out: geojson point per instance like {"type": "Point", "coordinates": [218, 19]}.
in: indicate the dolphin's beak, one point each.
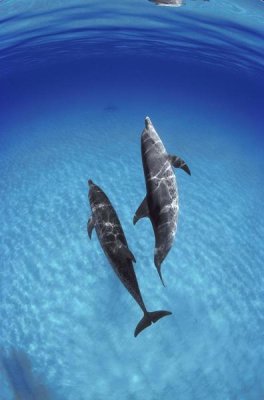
{"type": "Point", "coordinates": [148, 122]}
{"type": "Point", "coordinates": [90, 182]}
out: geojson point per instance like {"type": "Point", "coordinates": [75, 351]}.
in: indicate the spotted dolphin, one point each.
{"type": "Point", "coordinates": [113, 242]}
{"type": "Point", "coordinates": [161, 202]}
{"type": "Point", "coordinates": [171, 3]}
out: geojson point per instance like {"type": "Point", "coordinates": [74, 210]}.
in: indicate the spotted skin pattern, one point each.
{"type": "Point", "coordinates": [113, 241]}
{"type": "Point", "coordinates": [162, 193]}
{"type": "Point", "coordinates": [161, 204]}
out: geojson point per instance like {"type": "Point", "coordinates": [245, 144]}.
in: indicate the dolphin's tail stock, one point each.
{"type": "Point", "coordinates": [148, 319]}
{"type": "Point", "coordinates": [162, 281]}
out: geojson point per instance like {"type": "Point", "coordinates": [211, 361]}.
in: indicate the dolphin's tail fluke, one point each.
{"type": "Point", "coordinates": [148, 319]}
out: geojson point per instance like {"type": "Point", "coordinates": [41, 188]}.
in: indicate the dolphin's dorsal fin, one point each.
{"type": "Point", "coordinates": [142, 211]}
{"type": "Point", "coordinates": [124, 251]}
{"type": "Point", "coordinates": [177, 162]}
{"type": "Point", "coordinates": [90, 226]}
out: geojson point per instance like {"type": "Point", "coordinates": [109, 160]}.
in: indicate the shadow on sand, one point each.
{"type": "Point", "coordinates": [22, 380]}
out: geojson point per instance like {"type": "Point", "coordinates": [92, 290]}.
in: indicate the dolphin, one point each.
{"type": "Point", "coordinates": [171, 3]}
{"type": "Point", "coordinates": [161, 202]}
{"type": "Point", "coordinates": [113, 242]}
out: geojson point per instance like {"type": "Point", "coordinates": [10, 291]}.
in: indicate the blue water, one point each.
{"type": "Point", "coordinates": [76, 82]}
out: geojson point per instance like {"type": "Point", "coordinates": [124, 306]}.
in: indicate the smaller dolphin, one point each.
{"type": "Point", "coordinates": [169, 3]}
{"type": "Point", "coordinates": [113, 242]}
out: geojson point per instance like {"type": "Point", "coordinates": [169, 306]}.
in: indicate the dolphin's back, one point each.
{"type": "Point", "coordinates": [161, 204]}
{"type": "Point", "coordinates": [107, 224]}
{"type": "Point", "coordinates": [112, 239]}
{"type": "Point", "coordinates": [161, 186]}
{"type": "Point", "coordinates": [113, 242]}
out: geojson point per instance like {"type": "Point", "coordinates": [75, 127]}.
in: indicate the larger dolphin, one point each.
{"type": "Point", "coordinates": [113, 241]}
{"type": "Point", "coordinates": [161, 202]}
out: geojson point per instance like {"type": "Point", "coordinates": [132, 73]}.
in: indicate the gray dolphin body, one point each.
{"type": "Point", "coordinates": [113, 242]}
{"type": "Point", "coordinates": [161, 202]}
{"type": "Point", "coordinates": [172, 3]}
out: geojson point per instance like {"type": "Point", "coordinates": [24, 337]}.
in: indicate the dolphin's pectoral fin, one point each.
{"type": "Point", "coordinates": [124, 251]}
{"type": "Point", "coordinates": [177, 162]}
{"type": "Point", "coordinates": [90, 226]}
{"type": "Point", "coordinates": [142, 211]}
